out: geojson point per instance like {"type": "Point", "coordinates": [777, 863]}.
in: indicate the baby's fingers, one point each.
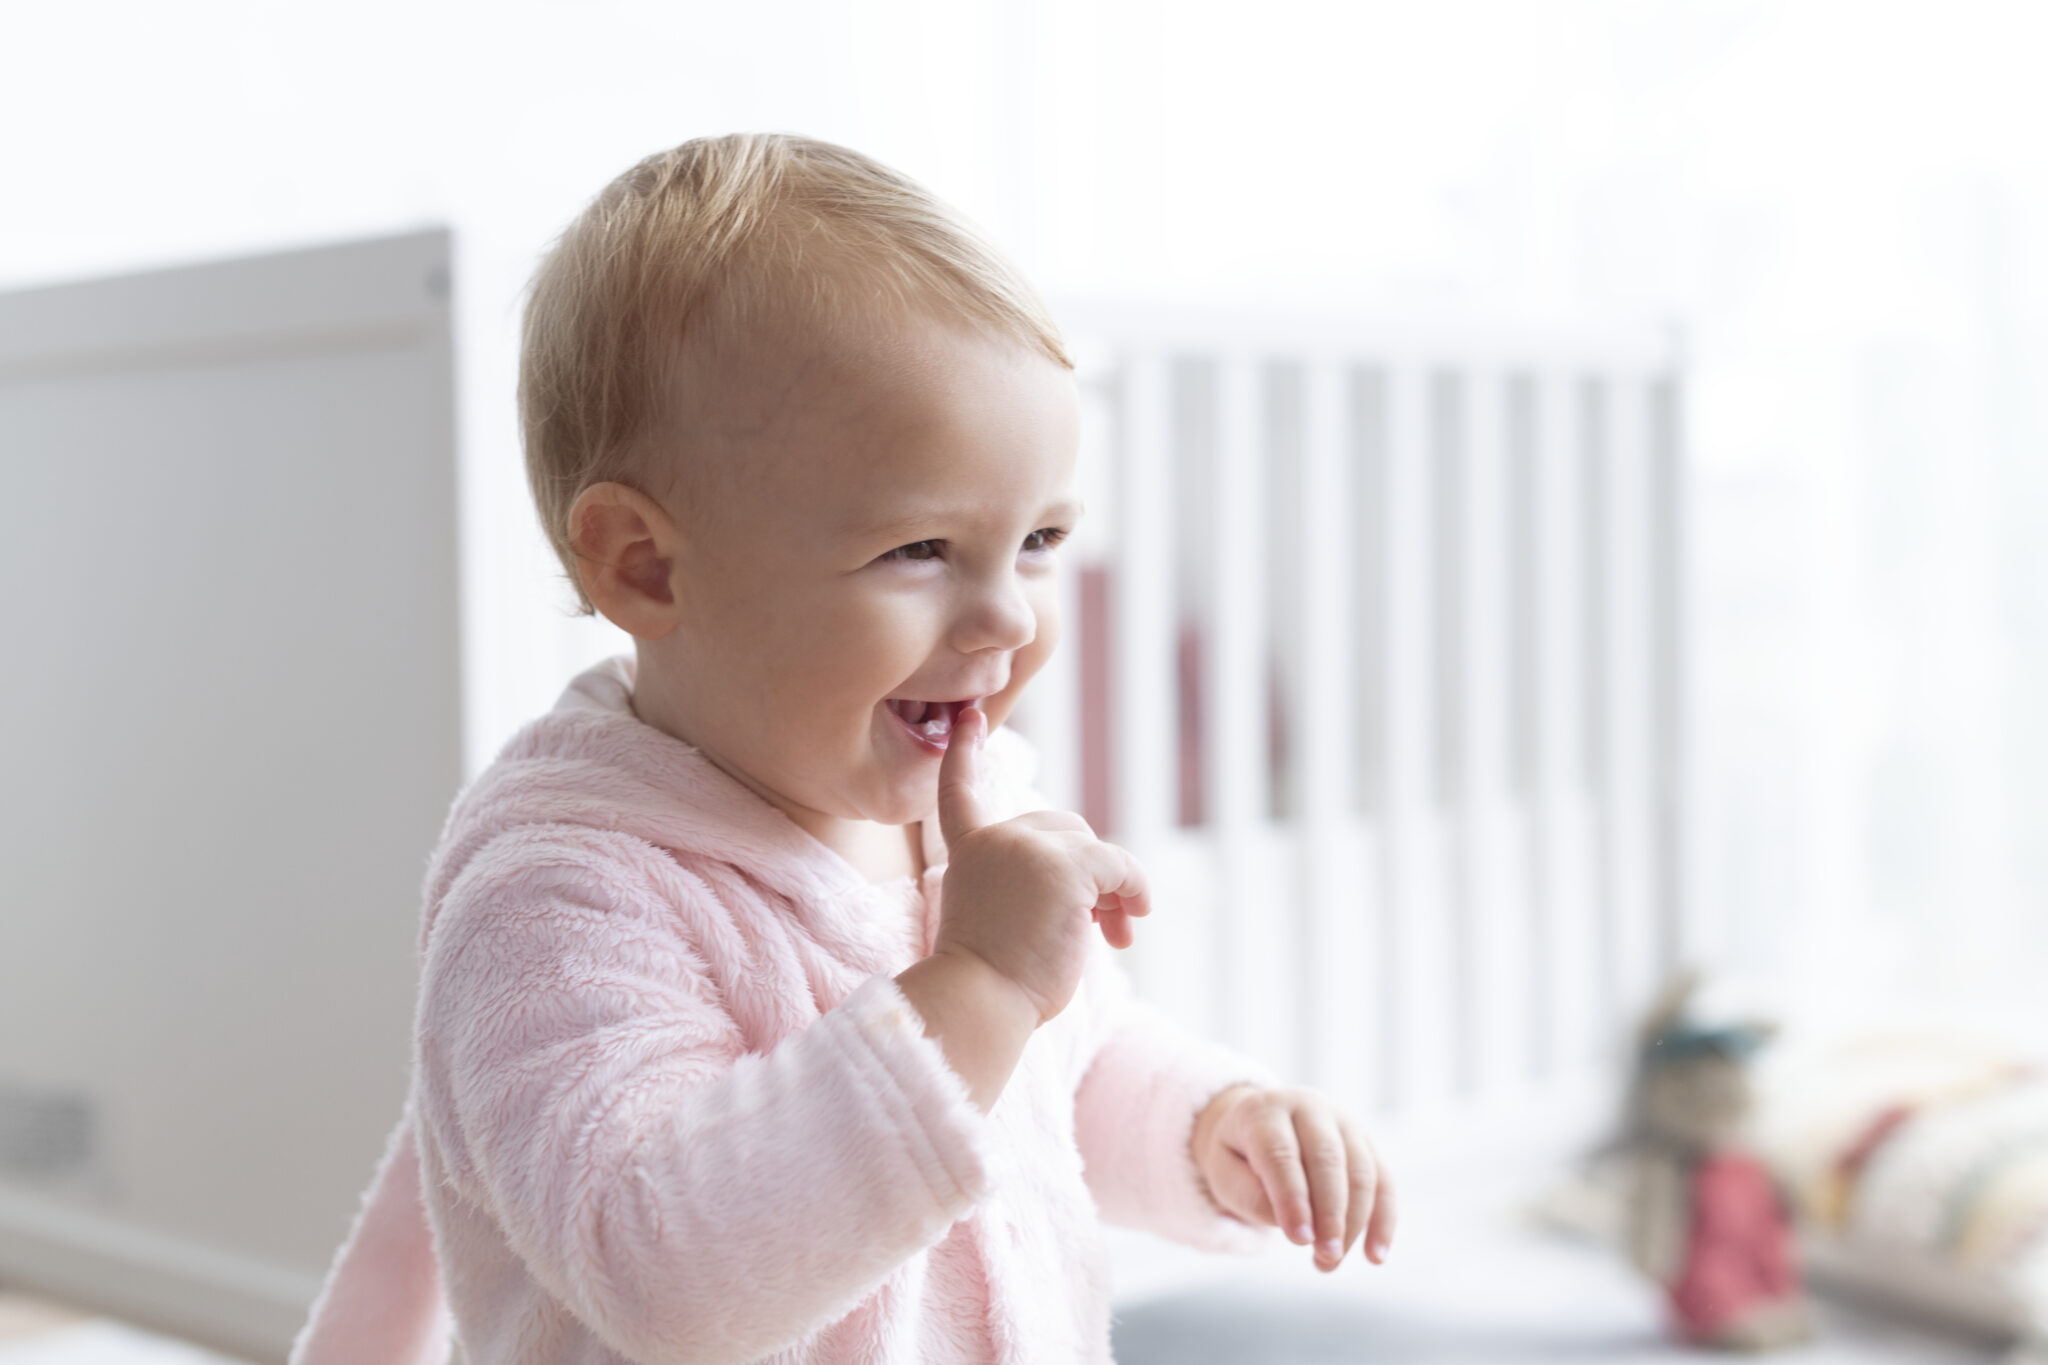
{"type": "Point", "coordinates": [1238, 1191]}
{"type": "Point", "coordinates": [1116, 924]}
{"type": "Point", "coordinates": [1364, 1180]}
{"type": "Point", "coordinates": [1120, 880]}
{"type": "Point", "coordinates": [1379, 1233]}
{"type": "Point", "coordinates": [1327, 1162]}
{"type": "Point", "coordinates": [1275, 1154]}
{"type": "Point", "coordinates": [1132, 888]}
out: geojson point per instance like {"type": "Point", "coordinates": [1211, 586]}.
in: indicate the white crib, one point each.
{"type": "Point", "coordinates": [1376, 658]}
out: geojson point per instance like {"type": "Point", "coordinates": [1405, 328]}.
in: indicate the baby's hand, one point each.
{"type": "Point", "coordinates": [1020, 895]}
{"type": "Point", "coordinates": [1289, 1158]}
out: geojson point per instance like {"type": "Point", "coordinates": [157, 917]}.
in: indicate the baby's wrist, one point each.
{"type": "Point", "coordinates": [980, 1023]}
{"type": "Point", "coordinates": [1212, 1113]}
{"type": "Point", "coordinates": [976, 974]}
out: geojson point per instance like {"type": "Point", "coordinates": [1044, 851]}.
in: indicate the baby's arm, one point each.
{"type": "Point", "coordinates": [685, 1198]}
{"type": "Point", "coordinates": [1144, 1085]}
{"type": "Point", "coordinates": [1188, 1140]}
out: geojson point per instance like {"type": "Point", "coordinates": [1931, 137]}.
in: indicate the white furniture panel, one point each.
{"type": "Point", "coordinates": [231, 728]}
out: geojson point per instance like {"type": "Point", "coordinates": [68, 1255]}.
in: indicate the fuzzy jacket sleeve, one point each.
{"type": "Point", "coordinates": [1135, 1110]}
{"type": "Point", "coordinates": [685, 1198]}
{"type": "Point", "coordinates": [382, 1297]}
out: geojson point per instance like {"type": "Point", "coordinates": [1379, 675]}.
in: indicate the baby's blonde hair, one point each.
{"type": "Point", "coordinates": [695, 245]}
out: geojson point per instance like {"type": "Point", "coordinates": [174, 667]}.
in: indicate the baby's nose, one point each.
{"type": "Point", "coordinates": [998, 616]}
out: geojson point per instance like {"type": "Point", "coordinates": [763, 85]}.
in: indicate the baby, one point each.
{"type": "Point", "coordinates": [762, 1013]}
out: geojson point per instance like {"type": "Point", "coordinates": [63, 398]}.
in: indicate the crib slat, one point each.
{"type": "Point", "coordinates": [1522, 588]}
{"type": "Point", "coordinates": [1567, 945]}
{"type": "Point", "coordinates": [1144, 631]}
{"type": "Point", "coordinates": [1418, 979]}
{"type": "Point", "coordinates": [1335, 959]}
{"type": "Point", "coordinates": [1369, 405]}
{"type": "Point", "coordinates": [1487, 875]}
{"type": "Point", "coordinates": [1235, 648]}
{"type": "Point", "coordinates": [1170, 962]}
{"type": "Point", "coordinates": [1685, 935]}
{"type": "Point", "coordinates": [1631, 916]}
{"type": "Point", "coordinates": [1449, 434]}
{"type": "Point", "coordinates": [1256, 942]}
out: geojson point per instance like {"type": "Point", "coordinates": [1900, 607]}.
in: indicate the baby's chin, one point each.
{"type": "Point", "coordinates": [908, 811]}
{"type": "Point", "coordinates": [891, 806]}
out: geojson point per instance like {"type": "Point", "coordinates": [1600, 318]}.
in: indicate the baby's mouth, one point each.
{"type": "Point", "coordinates": [931, 720]}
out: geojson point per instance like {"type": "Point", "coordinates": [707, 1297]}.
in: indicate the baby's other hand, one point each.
{"type": "Point", "coordinates": [1289, 1158]}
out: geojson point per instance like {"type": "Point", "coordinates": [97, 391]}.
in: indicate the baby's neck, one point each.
{"type": "Point", "coordinates": [882, 853]}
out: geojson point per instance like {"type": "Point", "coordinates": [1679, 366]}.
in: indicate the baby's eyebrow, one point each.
{"type": "Point", "coordinates": [925, 518]}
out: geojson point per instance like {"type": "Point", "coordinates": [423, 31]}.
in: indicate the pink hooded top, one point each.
{"type": "Point", "coordinates": [668, 1104]}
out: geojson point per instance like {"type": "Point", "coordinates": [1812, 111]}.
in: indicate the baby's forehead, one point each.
{"type": "Point", "coordinates": [835, 321]}
{"type": "Point", "coordinates": [839, 427]}
{"type": "Point", "coordinates": [820, 372]}
{"type": "Point", "coordinates": [788, 404]}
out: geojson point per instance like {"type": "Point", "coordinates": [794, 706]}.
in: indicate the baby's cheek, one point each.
{"type": "Point", "coordinates": [1025, 664]}
{"type": "Point", "coordinates": [1045, 603]}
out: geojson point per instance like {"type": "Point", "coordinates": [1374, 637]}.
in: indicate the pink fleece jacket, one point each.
{"type": "Point", "coordinates": [668, 1104]}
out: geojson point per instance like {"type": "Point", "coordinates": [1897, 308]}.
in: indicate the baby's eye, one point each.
{"type": "Point", "coordinates": [917, 553]}
{"type": "Point", "coordinates": [1047, 537]}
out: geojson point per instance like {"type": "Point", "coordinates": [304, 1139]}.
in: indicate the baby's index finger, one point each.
{"type": "Point", "coordinates": [960, 809]}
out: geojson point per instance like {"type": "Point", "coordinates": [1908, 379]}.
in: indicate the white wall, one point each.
{"type": "Point", "coordinates": [1842, 203]}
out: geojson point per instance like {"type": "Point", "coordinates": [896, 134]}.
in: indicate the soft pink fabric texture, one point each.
{"type": "Point", "coordinates": [668, 1104]}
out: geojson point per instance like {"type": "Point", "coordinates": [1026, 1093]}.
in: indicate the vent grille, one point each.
{"type": "Point", "coordinates": [46, 1134]}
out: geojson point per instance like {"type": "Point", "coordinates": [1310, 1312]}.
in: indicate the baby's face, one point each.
{"type": "Point", "coordinates": [886, 536]}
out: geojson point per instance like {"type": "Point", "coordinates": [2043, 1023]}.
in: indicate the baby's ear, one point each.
{"type": "Point", "coordinates": [625, 548]}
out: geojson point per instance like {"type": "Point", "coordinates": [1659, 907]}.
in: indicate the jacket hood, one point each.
{"type": "Point", "coordinates": [591, 761]}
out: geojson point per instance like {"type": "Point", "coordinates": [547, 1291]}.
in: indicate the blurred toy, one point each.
{"type": "Point", "coordinates": [1703, 1216]}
